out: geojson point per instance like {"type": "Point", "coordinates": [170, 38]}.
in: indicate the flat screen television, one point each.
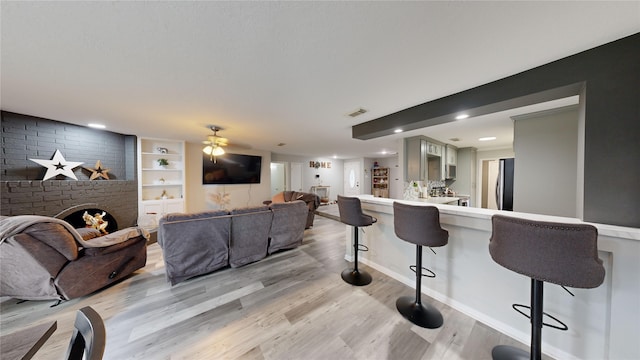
{"type": "Point", "coordinates": [231, 169]}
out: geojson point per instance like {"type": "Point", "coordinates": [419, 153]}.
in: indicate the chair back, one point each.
{"type": "Point", "coordinates": [559, 253]}
{"type": "Point", "coordinates": [351, 212]}
{"type": "Point", "coordinates": [419, 225]}
{"type": "Point", "coordinates": [89, 336]}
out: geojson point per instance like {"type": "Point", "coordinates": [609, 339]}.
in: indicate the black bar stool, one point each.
{"type": "Point", "coordinates": [419, 225]}
{"type": "Point", "coordinates": [559, 253]}
{"type": "Point", "coordinates": [351, 214]}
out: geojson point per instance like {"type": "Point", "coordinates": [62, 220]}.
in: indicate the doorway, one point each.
{"type": "Point", "coordinates": [351, 178]}
{"type": "Point", "coordinates": [490, 170]}
{"type": "Point", "coordinates": [296, 176]}
{"type": "Point", "coordinates": [278, 182]}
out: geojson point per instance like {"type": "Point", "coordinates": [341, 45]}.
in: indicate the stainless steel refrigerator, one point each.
{"type": "Point", "coordinates": [504, 185]}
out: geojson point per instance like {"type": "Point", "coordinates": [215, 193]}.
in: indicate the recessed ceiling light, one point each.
{"type": "Point", "coordinates": [462, 116]}
{"type": "Point", "coordinates": [488, 138]}
{"type": "Point", "coordinates": [96, 126]}
{"type": "Point", "coordinates": [397, 131]}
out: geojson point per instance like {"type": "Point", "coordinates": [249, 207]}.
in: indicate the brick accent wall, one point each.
{"type": "Point", "coordinates": [52, 197]}
{"type": "Point", "coordinates": [27, 137]}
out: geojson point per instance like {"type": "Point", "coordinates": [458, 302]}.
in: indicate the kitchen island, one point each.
{"type": "Point", "coordinates": [604, 323]}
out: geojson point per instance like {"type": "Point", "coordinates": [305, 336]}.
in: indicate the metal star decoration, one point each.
{"type": "Point", "coordinates": [58, 166]}
{"type": "Point", "coordinates": [98, 171]}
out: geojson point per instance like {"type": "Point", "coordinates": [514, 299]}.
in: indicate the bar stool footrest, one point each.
{"type": "Point", "coordinates": [423, 315]}
{"type": "Point", "coordinates": [429, 274]}
{"type": "Point", "coordinates": [562, 326]}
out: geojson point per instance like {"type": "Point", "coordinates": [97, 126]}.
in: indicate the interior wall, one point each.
{"type": "Point", "coordinates": [366, 187]}
{"type": "Point", "coordinates": [240, 195]}
{"type": "Point", "coordinates": [465, 182]}
{"type": "Point", "coordinates": [328, 176]}
{"type": "Point", "coordinates": [545, 174]}
{"type": "Point", "coordinates": [581, 147]}
{"type": "Point", "coordinates": [396, 187]}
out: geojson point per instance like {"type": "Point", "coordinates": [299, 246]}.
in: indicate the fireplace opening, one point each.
{"type": "Point", "coordinates": [74, 216]}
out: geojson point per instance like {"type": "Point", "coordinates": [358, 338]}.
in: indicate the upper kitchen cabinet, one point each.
{"type": "Point", "coordinates": [434, 149]}
{"type": "Point", "coordinates": [415, 158]}
{"type": "Point", "coordinates": [423, 159]}
{"type": "Point", "coordinates": [452, 155]}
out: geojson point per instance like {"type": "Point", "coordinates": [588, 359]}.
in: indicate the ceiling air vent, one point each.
{"type": "Point", "coordinates": [454, 139]}
{"type": "Point", "coordinates": [358, 112]}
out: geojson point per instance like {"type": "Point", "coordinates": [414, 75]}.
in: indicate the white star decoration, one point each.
{"type": "Point", "coordinates": [58, 166]}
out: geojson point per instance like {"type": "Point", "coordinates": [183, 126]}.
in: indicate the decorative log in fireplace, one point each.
{"type": "Point", "coordinates": [73, 215]}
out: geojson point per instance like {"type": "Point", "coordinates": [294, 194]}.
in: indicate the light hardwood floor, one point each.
{"type": "Point", "coordinates": [291, 305]}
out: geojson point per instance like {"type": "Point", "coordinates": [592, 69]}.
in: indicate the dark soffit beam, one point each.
{"type": "Point", "coordinates": [561, 78]}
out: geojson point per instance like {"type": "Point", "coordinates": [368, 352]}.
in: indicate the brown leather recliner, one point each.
{"type": "Point", "coordinates": [312, 201]}
{"type": "Point", "coordinates": [45, 258]}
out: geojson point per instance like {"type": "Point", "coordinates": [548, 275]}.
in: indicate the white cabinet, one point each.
{"type": "Point", "coordinates": [161, 176]}
{"type": "Point", "coordinates": [452, 155]}
{"type": "Point", "coordinates": [159, 208]}
{"type": "Point", "coordinates": [434, 149]}
{"type": "Point", "coordinates": [416, 159]}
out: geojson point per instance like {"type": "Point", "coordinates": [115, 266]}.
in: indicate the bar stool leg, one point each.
{"type": "Point", "coordinates": [504, 352]}
{"type": "Point", "coordinates": [354, 276]}
{"type": "Point", "coordinates": [423, 315]}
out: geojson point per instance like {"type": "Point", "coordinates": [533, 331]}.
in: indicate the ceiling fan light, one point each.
{"type": "Point", "coordinates": [217, 151]}
{"type": "Point", "coordinates": [207, 150]}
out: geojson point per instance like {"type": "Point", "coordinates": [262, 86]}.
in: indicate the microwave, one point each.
{"type": "Point", "coordinates": [451, 172]}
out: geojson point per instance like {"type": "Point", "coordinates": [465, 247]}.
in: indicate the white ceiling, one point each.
{"type": "Point", "coordinates": [279, 72]}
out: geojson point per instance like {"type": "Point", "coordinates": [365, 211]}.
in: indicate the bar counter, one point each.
{"type": "Point", "coordinates": [604, 323]}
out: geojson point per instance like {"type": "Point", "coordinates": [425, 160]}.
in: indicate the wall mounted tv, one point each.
{"type": "Point", "coordinates": [231, 169]}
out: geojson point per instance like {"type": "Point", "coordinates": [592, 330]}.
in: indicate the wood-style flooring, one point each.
{"type": "Point", "coordinates": [290, 305]}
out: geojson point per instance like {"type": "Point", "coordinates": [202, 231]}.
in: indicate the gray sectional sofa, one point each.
{"type": "Point", "coordinates": [199, 243]}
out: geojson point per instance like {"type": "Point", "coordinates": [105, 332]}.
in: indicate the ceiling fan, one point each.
{"type": "Point", "coordinates": [214, 143]}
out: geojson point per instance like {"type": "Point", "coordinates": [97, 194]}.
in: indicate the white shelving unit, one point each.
{"type": "Point", "coordinates": [380, 182]}
{"type": "Point", "coordinates": [161, 189]}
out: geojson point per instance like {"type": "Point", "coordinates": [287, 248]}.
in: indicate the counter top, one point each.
{"type": "Point", "coordinates": [473, 212]}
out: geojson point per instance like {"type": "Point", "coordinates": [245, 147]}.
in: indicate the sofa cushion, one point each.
{"type": "Point", "coordinates": [194, 244]}
{"type": "Point", "coordinates": [287, 229]}
{"type": "Point", "coordinates": [56, 236]}
{"type": "Point", "coordinates": [248, 210]}
{"type": "Point", "coordinates": [249, 235]}
{"type": "Point", "coordinates": [193, 216]}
